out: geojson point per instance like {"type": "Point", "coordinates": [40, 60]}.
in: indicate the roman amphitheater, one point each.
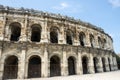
{"type": "Point", "coordinates": [36, 44]}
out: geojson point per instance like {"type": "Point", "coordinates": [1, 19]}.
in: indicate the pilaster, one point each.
{"type": "Point", "coordinates": [87, 42]}
{"type": "Point", "coordinates": [100, 66]}
{"type": "Point", "coordinates": [91, 65]}
{"type": "Point", "coordinates": [21, 64]}
{"type": "Point", "coordinates": [23, 36]}
{"type": "Point", "coordinates": [64, 65]}
{"type": "Point", "coordinates": [107, 64]}
{"type": "Point", "coordinates": [79, 65]}
{"type": "Point", "coordinates": [45, 64]}
{"type": "Point", "coordinates": [44, 32]}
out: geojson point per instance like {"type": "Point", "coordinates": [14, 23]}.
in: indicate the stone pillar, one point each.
{"type": "Point", "coordinates": [107, 64]}
{"type": "Point", "coordinates": [1, 64]}
{"type": "Point", "coordinates": [23, 36]}
{"type": "Point", "coordinates": [79, 65]}
{"type": "Point", "coordinates": [111, 64]}
{"type": "Point", "coordinates": [44, 32]}
{"type": "Point", "coordinates": [100, 66]}
{"type": "Point", "coordinates": [1, 70]}
{"type": "Point", "coordinates": [21, 65]}
{"type": "Point", "coordinates": [61, 37]}
{"type": "Point", "coordinates": [26, 70]}
{"type": "Point", "coordinates": [91, 65]}
{"type": "Point", "coordinates": [7, 33]}
{"type": "Point", "coordinates": [45, 64]}
{"type": "Point", "coordinates": [2, 26]}
{"type": "Point", "coordinates": [76, 41]}
{"type": "Point", "coordinates": [64, 64]}
{"type": "Point", "coordinates": [115, 63]}
{"type": "Point", "coordinates": [87, 42]}
{"type": "Point", "coordinates": [96, 41]}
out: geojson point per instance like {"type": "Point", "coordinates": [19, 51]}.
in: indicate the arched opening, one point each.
{"type": "Point", "coordinates": [85, 65]}
{"type": "Point", "coordinates": [34, 67]}
{"type": "Point", "coordinates": [82, 39]}
{"type": "Point", "coordinates": [54, 35]}
{"type": "Point", "coordinates": [109, 61]}
{"type": "Point", "coordinates": [92, 41]}
{"type": "Point", "coordinates": [15, 31]}
{"type": "Point", "coordinates": [95, 60]}
{"type": "Point", "coordinates": [104, 43]}
{"type": "Point", "coordinates": [69, 36]}
{"type": "Point", "coordinates": [100, 42]}
{"type": "Point", "coordinates": [10, 68]}
{"type": "Point", "coordinates": [36, 33]}
{"type": "Point", "coordinates": [55, 66]}
{"type": "Point", "coordinates": [103, 62]}
{"type": "Point", "coordinates": [71, 66]}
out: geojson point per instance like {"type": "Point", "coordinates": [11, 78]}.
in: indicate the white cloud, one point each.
{"type": "Point", "coordinates": [61, 6]}
{"type": "Point", "coordinates": [115, 3]}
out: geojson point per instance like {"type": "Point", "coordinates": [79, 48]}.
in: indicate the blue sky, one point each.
{"type": "Point", "coordinates": [102, 13]}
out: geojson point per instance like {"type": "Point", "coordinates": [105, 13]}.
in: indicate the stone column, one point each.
{"type": "Point", "coordinates": [100, 66]}
{"type": "Point", "coordinates": [26, 70]}
{"type": "Point", "coordinates": [115, 63]}
{"type": "Point", "coordinates": [91, 65]}
{"type": "Point", "coordinates": [23, 36]}
{"type": "Point", "coordinates": [79, 65]}
{"type": "Point", "coordinates": [45, 64]}
{"type": "Point", "coordinates": [1, 70]}
{"type": "Point", "coordinates": [64, 64]}
{"type": "Point", "coordinates": [61, 37]}
{"type": "Point", "coordinates": [87, 42]}
{"type": "Point", "coordinates": [107, 64]}
{"type": "Point", "coordinates": [21, 65]}
{"type": "Point", "coordinates": [111, 63]}
{"type": "Point", "coordinates": [2, 26]}
{"type": "Point", "coordinates": [1, 64]}
{"type": "Point", "coordinates": [76, 41]}
{"type": "Point", "coordinates": [96, 41]}
{"type": "Point", "coordinates": [44, 32]}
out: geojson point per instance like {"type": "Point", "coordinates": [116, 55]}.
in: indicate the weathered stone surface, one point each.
{"type": "Point", "coordinates": [17, 27]}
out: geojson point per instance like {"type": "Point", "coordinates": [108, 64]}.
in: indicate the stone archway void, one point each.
{"type": "Point", "coordinates": [82, 38]}
{"type": "Point", "coordinates": [55, 66]}
{"type": "Point", "coordinates": [34, 67]}
{"type": "Point", "coordinates": [71, 66]}
{"type": "Point", "coordinates": [54, 35]}
{"type": "Point", "coordinates": [10, 68]}
{"type": "Point", "coordinates": [69, 36]}
{"type": "Point", "coordinates": [15, 31]}
{"type": "Point", "coordinates": [95, 60]}
{"type": "Point", "coordinates": [85, 65]}
{"type": "Point", "coordinates": [103, 62]}
{"type": "Point", "coordinates": [36, 33]}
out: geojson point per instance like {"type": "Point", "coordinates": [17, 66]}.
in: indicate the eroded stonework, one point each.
{"type": "Point", "coordinates": [36, 44]}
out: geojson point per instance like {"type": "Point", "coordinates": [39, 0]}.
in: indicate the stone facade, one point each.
{"type": "Point", "coordinates": [36, 44]}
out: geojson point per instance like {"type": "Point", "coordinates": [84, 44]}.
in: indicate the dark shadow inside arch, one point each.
{"type": "Point", "coordinates": [34, 67]}
{"type": "Point", "coordinates": [82, 39]}
{"type": "Point", "coordinates": [10, 68]}
{"type": "Point", "coordinates": [55, 69]}
{"type": "Point", "coordinates": [103, 62]}
{"type": "Point", "coordinates": [85, 65]}
{"type": "Point", "coordinates": [15, 31]}
{"type": "Point", "coordinates": [36, 33]}
{"type": "Point", "coordinates": [71, 66]}
{"type": "Point", "coordinates": [95, 60]}
{"type": "Point", "coordinates": [109, 64]}
{"type": "Point", "coordinates": [69, 36]}
{"type": "Point", "coordinates": [54, 36]}
{"type": "Point", "coordinates": [92, 40]}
